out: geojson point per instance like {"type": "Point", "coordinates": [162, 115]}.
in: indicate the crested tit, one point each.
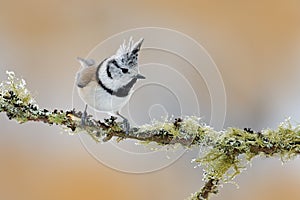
{"type": "Point", "coordinates": [107, 87]}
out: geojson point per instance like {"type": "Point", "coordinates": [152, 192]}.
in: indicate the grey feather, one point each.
{"type": "Point", "coordinates": [86, 62]}
{"type": "Point", "coordinates": [85, 76]}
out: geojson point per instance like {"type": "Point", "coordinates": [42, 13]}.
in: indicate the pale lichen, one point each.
{"type": "Point", "coordinates": [18, 87]}
{"type": "Point", "coordinates": [226, 159]}
{"type": "Point", "coordinates": [224, 154]}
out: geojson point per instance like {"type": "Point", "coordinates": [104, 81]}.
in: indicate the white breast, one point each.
{"type": "Point", "coordinates": [99, 99]}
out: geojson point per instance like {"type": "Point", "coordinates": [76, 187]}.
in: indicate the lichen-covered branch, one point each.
{"type": "Point", "coordinates": [225, 153]}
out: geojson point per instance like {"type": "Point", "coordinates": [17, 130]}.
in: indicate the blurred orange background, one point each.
{"type": "Point", "coordinates": [255, 44]}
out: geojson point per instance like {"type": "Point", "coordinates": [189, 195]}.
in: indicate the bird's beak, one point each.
{"type": "Point", "coordinates": [139, 76]}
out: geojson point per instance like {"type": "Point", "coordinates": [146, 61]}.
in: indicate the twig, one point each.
{"type": "Point", "coordinates": [225, 150]}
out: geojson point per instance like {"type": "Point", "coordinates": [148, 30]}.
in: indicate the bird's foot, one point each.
{"type": "Point", "coordinates": [126, 126]}
{"type": "Point", "coordinates": [84, 116]}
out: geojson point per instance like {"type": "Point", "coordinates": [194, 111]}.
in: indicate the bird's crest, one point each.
{"type": "Point", "coordinates": [129, 48]}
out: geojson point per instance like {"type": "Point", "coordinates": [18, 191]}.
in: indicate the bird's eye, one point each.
{"type": "Point", "coordinates": [124, 70]}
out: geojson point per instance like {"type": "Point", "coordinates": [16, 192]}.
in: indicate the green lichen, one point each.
{"type": "Point", "coordinates": [234, 148]}
{"type": "Point", "coordinates": [225, 154]}
{"type": "Point", "coordinates": [185, 129]}
{"type": "Point", "coordinates": [57, 117]}
{"type": "Point", "coordinates": [18, 87]}
{"type": "Point", "coordinates": [18, 104]}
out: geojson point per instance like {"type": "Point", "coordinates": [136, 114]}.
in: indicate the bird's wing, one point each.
{"type": "Point", "coordinates": [86, 75]}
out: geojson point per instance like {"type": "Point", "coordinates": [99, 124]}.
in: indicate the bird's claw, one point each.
{"type": "Point", "coordinates": [83, 117]}
{"type": "Point", "coordinates": [126, 126]}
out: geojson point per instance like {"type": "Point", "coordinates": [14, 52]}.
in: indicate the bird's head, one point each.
{"type": "Point", "coordinates": [123, 65]}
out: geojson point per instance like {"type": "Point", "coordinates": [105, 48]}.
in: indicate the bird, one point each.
{"type": "Point", "coordinates": [107, 87]}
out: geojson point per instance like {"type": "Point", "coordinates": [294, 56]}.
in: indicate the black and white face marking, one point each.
{"type": "Point", "coordinates": [123, 69]}
{"type": "Point", "coordinates": [119, 73]}
{"type": "Point", "coordinates": [116, 69]}
{"type": "Point", "coordinates": [118, 81]}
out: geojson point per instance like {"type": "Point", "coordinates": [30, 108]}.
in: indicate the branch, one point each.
{"type": "Point", "coordinates": [225, 151]}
